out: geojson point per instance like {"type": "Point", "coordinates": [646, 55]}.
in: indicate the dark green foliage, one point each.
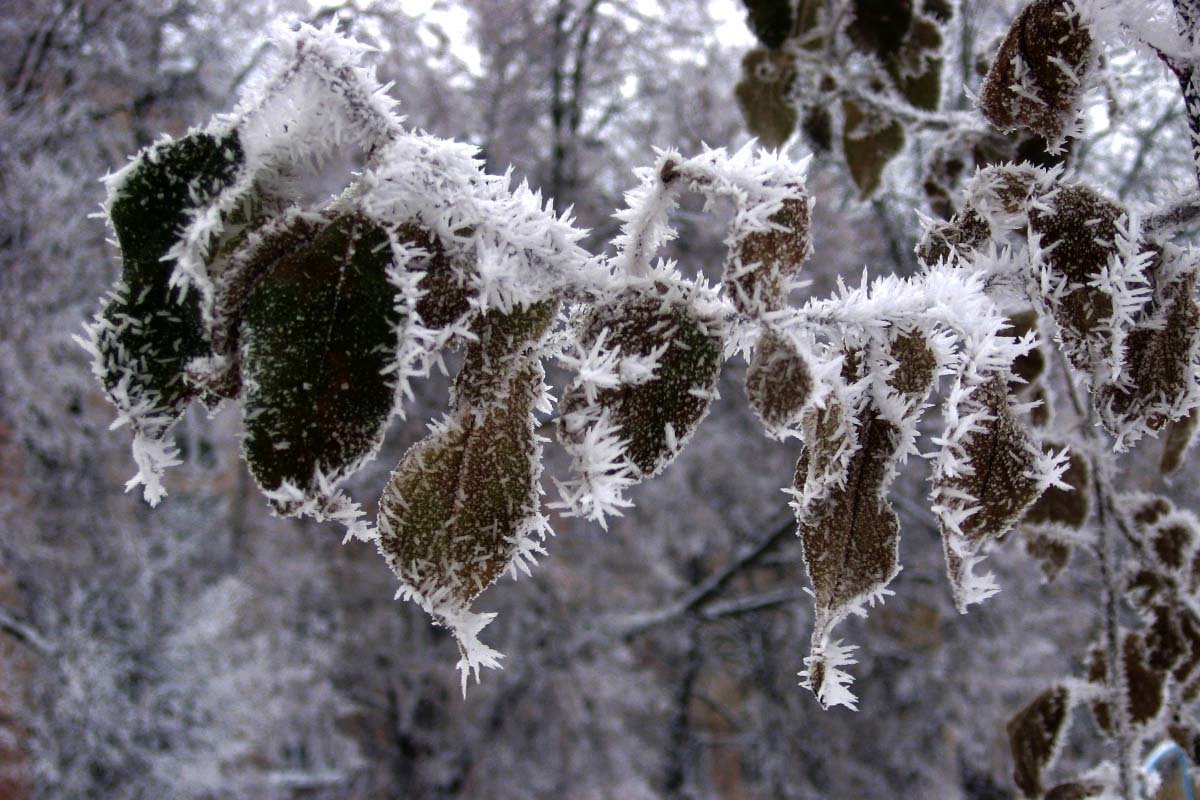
{"type": "Point", "coordinates": [770, 20]}
{"type": "Point", "coordinates": [149, 332]}
{"type": "Point", "coordinates": [868, 145]}
{"type": "Point", "coordinates": [881, 26]}
{"type": "Point", "coordinates": [316, 336]}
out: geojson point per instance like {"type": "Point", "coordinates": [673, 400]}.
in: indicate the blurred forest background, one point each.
{"type": "Point", "coordinates": [207, 650]}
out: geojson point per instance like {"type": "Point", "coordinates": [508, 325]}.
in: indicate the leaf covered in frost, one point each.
{"type": "Point", "coordinates": [317, 335]}
{"type": "Point", "coordinates": [646, 373]}
{"type": "Point", "coordinates": [1039, 75]}
{"type": "Point", "coordinates": [462, 508]}
{"type": "Point", "coordinates": [762, 263]}
{"type": "Point", "coordinates": [990, 470]}
{"type": "Point", "coordinates": [779, 382]}
{"type": "Point", "coordinates": [147, 332]}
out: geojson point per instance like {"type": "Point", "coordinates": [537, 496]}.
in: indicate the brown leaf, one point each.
{"type": "Point", "coordinates": [1046, 37]}
{"type": "Point", "coordinates": [458, 503]}
{"type": "Point", "coordinates": [1059, 506]}
{"type": "Point", "coordinates": [762, 263]}
{"type": "Point", "coordinates": [1035, 735]}
{"type": "Point", "coordinates": [1080, 233]}
{"type": "Point", "coordinates": [779, 382]}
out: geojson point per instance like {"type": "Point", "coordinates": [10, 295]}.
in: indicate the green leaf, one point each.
{"type": "Point", "coordinates": [317, 335]}
{"type": "Point", "coordinates": [147, 332]}
{"type": "Point", "coordinates": [868, 150]}
{"type": "Point", "coordinates": [763, 95]}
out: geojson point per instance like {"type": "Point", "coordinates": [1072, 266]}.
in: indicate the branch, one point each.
{"type": "Point", "coordinates": [1182, 213]}
{"type": "Point", "coordinates": [711, 585]}
{"type": "Point", "coordinates": [20, 629]}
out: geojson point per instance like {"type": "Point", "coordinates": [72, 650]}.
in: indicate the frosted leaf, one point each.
{"type": "Point", "coordinates": [1039, 76]}
{"type": "Point", "coordinates": [779, 383]}
{"type": "Point", "coordinates": [1078, 236]}
{"type": "Point", "coordinates": [646, 422]}
{"type": "Point", "coordinates": [988, 472]}
{"type": "Point", "coordinates": [243, 268]}
{"type": "Point", "coordinates": [1068, 504]}
{"type": "Point", "coordinates": [146, 334]}
{"type": "Point", "coordinates": [462, 508]}
{"type": "Point", "coordinates": [1159, 384]}
{"type": "Point", "coordinates": [1180, 434]}
{"type": "Point", "coordinates": [763, 263]}
{"type": "Point", "coordinates": [1142, 687]}
{"type": "Point", "coordinates": [502, 346]}
{"type": "Point", "coordinates": [316, 336]}
{"type": "Point", "coordinates": [1036, 735]}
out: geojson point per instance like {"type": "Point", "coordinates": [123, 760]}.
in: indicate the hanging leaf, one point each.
{"type": "Point", "coordinates": [850, 533]}
{"type": "Point", "coordinates": [462, 508]}
{"type": "Point", "coordinates": [1179, 437]}
{"type": "Point", "coordinates": [1039, 75]}
{"type": "Point", "coordinates": [1080, 233]}
{"type": "Point", "coordinates": [1143, 686]}
{"type": "Point", "coordinates": [1159, 383]}
{"type": "Point", "coordinates": [989, 472]}
{"type": "Point", "coordinates": [779, 383]}
{"type": "Point", "coordinates": [147, 332]}
{"type": "Point", "coordinates": [1035, 736]}
{"type": "Point", "coordinates": [649, 361]}
{"type": "Point", "coordinates": [764, 95]}
{"type": "Point", "coordinates": [762, 263]}
{"type": "Point", "coordinates": [770, 20]}
{"type": "Point", "coordinates": [869, 145]}
{"type": "Point", "coordinates": [244, 267]}
{"type": "Point", "coordinates": [1052, 553]}
{"type": "Point", "coordinates": [880, 27]}
{"type": "Point", "coordinates": [317, 335]}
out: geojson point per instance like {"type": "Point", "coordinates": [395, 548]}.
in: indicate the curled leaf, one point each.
{"type": "Point", "coordinates": [148, 332]}
{"type": "Point", "coordinates": [1038, 77]}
